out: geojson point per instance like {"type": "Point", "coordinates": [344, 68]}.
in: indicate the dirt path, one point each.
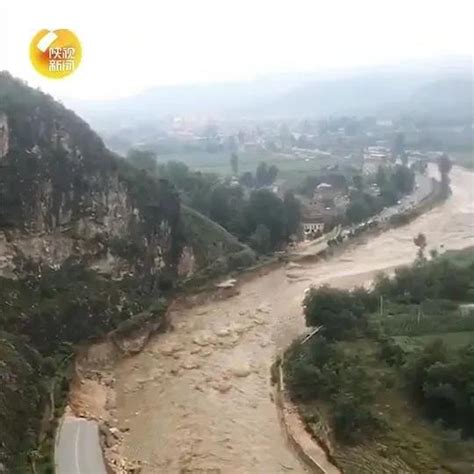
{"type": "Point", "coordinates": [198, 399]}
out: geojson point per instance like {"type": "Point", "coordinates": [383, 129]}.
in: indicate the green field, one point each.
{"type": "Point", "coordinates": [291, 169]}
{"type": "Point", "coordinates": [462, 258]}
{"type": "Point", "coordinates": [451, 339]}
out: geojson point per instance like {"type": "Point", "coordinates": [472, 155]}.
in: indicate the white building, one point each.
{"type": "Point", "coordinates": [313, 226]}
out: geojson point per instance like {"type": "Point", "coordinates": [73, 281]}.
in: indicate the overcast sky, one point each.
{"type": "Point", "coordinates": [129, 46]}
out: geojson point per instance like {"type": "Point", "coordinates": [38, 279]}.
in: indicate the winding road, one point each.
{"type": "Point", "coordinates": [198, 399]}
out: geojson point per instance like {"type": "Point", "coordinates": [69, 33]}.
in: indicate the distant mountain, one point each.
{"type": "Point", "coordinates": [195, 99]}
{"type": "Point", "coordinates": [446, 98]}
{"type": "Point", "coordinates": [356, 95]}
{"type": "Point", "coordinates": [378, 90]}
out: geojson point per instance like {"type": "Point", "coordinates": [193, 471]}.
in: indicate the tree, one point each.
{"type": "Point", "coordinates": [389, 193]}
{"type": "Point", "coordinates": [225, 207]}
{"type": "Point", "coordinates": [354, 420]}
{"type": "Point", "coordinates": [434, 254]}
{"type": "Point", "coordinates": [358, 182]}
{"type": "Point", "coordinates": [340, 312]}
{"type": "Point", "coordinates": [403, 179]}
{"type": "Point", "coordinates": [309, 367]}
{"type": "Point", "coordinates": [260, 240]}
{"type": "Point", "coordinates": [177, 172]}
{"type": "Point", "coordinates": [265, 175]}
{"type": "Point", "coordinates": [247, 180]}
{"type": "Point", "coordinates": [381, 177]}
{"type": "Point", "coordinates": [398, 145]}
{"type": "Point", "coordinates": [234, 164]}
{"type": "Point", "coordinates": [292, 213]}
{"type": "Point", "coordinates": [441, 381]}
{"type": "Point", "coordinates": [264, 207]}
{"type": "Point", "coordinates": [421, 243]}
{"type": "Point", "coordinates": [272, 174]}
{"type": "Point", "coordinates": [404, 158]}
{"type": "Point", "coordinates": [143, 159]}
{"type": "Point", "coordinates": [261, 174]}
{"type": "Point", "coordinates": [444, 166]}
{"type": "Point", "coordinates": [359, 209]}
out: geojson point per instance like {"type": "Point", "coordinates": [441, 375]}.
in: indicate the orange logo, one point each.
{"type": "Point", "coordinates": [55, 54]}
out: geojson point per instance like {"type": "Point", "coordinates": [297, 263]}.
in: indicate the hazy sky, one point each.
{"type": "Point", "coordinates": [132, 45]}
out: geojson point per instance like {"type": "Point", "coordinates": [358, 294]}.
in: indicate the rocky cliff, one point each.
{"type": "Point", "coordinates": [86, 242]}
{"type": "Point", "coordinates": [64, 195]}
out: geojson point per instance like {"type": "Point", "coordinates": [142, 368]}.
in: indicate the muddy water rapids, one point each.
{"type": "Point", "coordinates": [197, 399]}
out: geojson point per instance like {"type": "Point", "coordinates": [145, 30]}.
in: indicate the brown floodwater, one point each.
{"type": "Point", "coordinates": [198, 399]}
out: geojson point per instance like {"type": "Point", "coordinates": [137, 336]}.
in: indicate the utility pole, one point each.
{"type": "Point", "coordinates": [381, 306]}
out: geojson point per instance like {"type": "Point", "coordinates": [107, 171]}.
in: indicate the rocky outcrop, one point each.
{"type": "Point", "coordinates": [63, 195]}
{"type": "Point", "coordinates": [3, 135]}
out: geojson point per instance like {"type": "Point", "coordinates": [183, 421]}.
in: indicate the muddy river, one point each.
{"type": "Point", "coordinates": [198, 398]}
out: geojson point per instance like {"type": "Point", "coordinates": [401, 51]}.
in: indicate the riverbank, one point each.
{"type": "Point", "coordinates": [313, 451]}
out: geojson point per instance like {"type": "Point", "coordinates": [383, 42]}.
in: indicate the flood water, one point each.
{"type": "Point", "coordinates": [198, 399]}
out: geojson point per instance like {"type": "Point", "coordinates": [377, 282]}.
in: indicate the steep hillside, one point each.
{"type": "Point", "coordinates": [63, 194]}
{"type": "Point", "coordinates": [87, 243]}
{"type": "Point", "coordinates": [216, 251]}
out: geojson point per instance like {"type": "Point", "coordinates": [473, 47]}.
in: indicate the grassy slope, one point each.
{"type": "Point", "coordinates": [216, 250]}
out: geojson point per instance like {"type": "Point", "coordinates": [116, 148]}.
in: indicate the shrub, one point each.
{"type": "Point", "coordinates": [354, 421]}
{"type": "Point", "coordinates": [391, 352]}
{"type": "Point", "coordinates": [340, 312]}
{"type": "Point", "coordinates": [309, 368]}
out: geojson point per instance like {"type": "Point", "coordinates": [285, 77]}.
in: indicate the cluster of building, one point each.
{"type": "Point", "coordinates": [323, 210]}
{"type": "Point", "coordinates": [373, 157]}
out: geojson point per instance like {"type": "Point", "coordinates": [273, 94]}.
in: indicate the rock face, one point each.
{"type": "Point", "coordinates": [3, 135]}
{"type": "Point", "coordinates": [63, 194]}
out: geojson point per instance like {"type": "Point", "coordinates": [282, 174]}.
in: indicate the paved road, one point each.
{"type": "Point", "coordinates": [78, 448]}
{"type": "Point", "coordinates": [422, 190]}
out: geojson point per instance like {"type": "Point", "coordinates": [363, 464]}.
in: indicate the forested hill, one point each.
{"type": "Point", "coordinates": [87, 242]}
